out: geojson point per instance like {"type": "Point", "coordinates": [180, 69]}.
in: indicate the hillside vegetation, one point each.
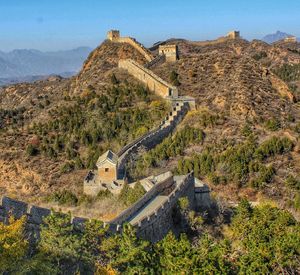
{"type": "Point", "coordinates": [263, 240]}
{"type": "Point", "coordinates": [243, 139]}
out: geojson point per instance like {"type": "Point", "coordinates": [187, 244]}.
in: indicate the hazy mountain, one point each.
{"type": "Point", "coordinates": [271, 38]}
{"type": "Point", "coordinates": [23, 62]}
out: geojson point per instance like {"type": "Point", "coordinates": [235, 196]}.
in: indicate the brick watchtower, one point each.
{"type": "Point", "coordinates": [113, 35]}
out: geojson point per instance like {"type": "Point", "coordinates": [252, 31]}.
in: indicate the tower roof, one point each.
{"type": "Point", "coordinates": [107, 156]}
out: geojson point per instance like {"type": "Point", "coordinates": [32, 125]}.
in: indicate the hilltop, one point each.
{"type": "Point", "coordinates": [54, 130]}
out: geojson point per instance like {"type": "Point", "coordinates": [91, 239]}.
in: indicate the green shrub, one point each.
{"type": "Point", "coordinates": [246, 130]}
{"type": "Point", "coordinates": [31, 150]}
{"type": "Point", "coordinates": [130, 195]}
{"type": "Point", "coordinates": [268, 238]}
{"type": "Point", "coordinates": [288, 72]}
{"type": "Point", "coordinates": [272, 124]}
{"type": "Point", "coordinates": [273, 146]}
{"type": "Point", "coordinates": [259, 56]}
{"type": "Point", "coordinates": [172, 146]}
{"type": "Point", "coordinates": [292, 182]}
{"type": "Point", "coordinates": [64, 197]}
{"type": "Point", "coordinates": [174, 78]}
{"type": "Point", "coordinates": [67, 167]}
{"type": "Point", "coordinates": [265, 176]}
{"type": "Point", "coordinates": [296, 201]}
{"type": "Point", "coordinates": [103, 194]}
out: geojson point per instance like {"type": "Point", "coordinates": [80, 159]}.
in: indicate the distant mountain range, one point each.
{"type": "Point", "coordinates": [23, 64]}
{"type": "Point", "coordinates": [274, 37]}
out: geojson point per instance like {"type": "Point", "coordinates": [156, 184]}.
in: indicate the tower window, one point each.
{"type": "Point", "coordinates": [106, 169]}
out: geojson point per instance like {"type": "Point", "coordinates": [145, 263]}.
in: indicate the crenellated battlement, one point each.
{"type": "Point", "coordinates": [35, 214]}
{"type": "Point", "coordinates": [153, 223]}
{"type": "Point", "coordinates": [152, 226]}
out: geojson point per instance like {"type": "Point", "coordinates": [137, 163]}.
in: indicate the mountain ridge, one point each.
{"type": "Point", "coordinates": [274, 37]}
{"type": "Point", "coordinates": [31, 62]}
{"type": "Point", "coordinates": [234, 85]}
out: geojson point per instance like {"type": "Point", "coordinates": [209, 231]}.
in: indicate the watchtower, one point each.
{"type": "Point", "coordinates": [169, 51]}
{"type": "Point", "coordinates": [113, 35]}
{"type": "Point", "coordinates": [107, 165]}
{"type": "Point", "coordinates": [292, 39]}
{"type": "Point", "coordinates": [233, 35]}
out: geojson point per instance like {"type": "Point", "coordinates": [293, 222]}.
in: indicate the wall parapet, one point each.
{"type": "Point", "coordinates": [169, 202]}
{"type": "Point", "coordinates": [154, 191]}
{"type": "Point", "coordinates": [150, 79]}
{"type": "Point", "coordinates": [138, 46]}
{"type": "Point", "coordinates": [153, 137]}
{"type": "Point", "coordinates": [35, 214]}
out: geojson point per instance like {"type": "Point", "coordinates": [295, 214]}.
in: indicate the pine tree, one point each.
{"type": "Point", "coordinates": [13, 244]}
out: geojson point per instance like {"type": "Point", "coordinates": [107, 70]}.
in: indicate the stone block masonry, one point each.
{"type": "Point", "coordinates": [151, 225]}
{"type": "Point", "coordinates": [153, 219]}
{"type": "Point", "coordinates": [151, 80]}
{"type": "Point", "coordinates": [154, 137]}
{"type": "Point", "coordinates": [169, 51]}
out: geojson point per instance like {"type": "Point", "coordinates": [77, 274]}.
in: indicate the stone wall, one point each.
{"type": "Point", "coordinates": [158, 223]}
{"type": "Point", "coordinates": [154, 137]}
{"type": "Point", "coordinates": [138, 46]}
{"type": "Point", "coordinates": [153, 192]}
{"type": "Point", "coordinates": [169, 51]}
{"type": "Point", "coordinates": [151, 80]}
{"type": "Point", "coordinates": [114, 36]}
{"type": "Point", "coordinates": [233, 35]}
{"type": "Point", "coordinates": [35, 214]}
{"type": "Point", "coordinates": [153, 227]}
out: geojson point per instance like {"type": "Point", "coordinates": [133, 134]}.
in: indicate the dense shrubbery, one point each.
{"type": "Point", "coordinates": [130, 195]}
{"type": "Point", "coordinates": [68, 198]}
{"type": "Point", "coordinates": [267, 240]}
{"type": "Point", "coordinates": [203, 118]}
{"type": "Point", "coordinates": [272, 124]}
{"type": "Point", "coordinates": [288, 72]}
{"type": "Point", "coordinates": [171, 146]}
{"type": "Point", "coordinates": [260, 240]}
{"type": "Point", "coordinates": [273, 146]}
{"type": "Point", "coordinates": [91, 120]}
{"type": "Point", "coordinates": [174, 78]}
{"type": "Point", "coordinates": [240, 163]}
{"type": "Point", "coordinates": [293, 182]}
{"type": "Point", "coordinates": [11, 117]}
{"type": "Point", "coordinates": [64, 197]}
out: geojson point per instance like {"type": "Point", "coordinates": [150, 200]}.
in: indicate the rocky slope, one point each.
{"type": "Point", "coordinates": [226, 77]}
{"type": "Point", "coordinates": [234, 80]}
{"type": "Point", "coordinates": [25, 105]}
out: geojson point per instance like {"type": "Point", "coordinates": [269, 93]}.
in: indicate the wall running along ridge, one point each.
{"type": "Point", "coordinates": [138, 46]}
{"type": "Point", "coordinates": [153, 227]}
{"type": "Point", "coordinates": [154, 137]}
{"type": "Point", "coordinates": [151, 80]}
{"type": "Point", "coordinates": [158, 222]}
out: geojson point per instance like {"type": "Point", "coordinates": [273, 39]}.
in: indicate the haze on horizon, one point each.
{"type": "Point", "coordinates": [65, 24]}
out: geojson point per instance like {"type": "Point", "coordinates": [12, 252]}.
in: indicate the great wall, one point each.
{"type": "Point", "coordinates": [151, 215]}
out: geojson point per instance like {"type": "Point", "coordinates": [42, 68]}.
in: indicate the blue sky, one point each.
{"type": "Point", "coordinates": [66, 24]}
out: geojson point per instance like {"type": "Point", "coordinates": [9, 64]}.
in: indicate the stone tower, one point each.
{"type": "Point", "coordinates": [169, 51]}
{"type": "Point", "coordinates": [107, 165]}
{"type": "Point", "coordinates": [113, 35]}
{"type": "Point", "coordinates": [233, 35]}
{"type": "Point", "coordinates": [292, 39]}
